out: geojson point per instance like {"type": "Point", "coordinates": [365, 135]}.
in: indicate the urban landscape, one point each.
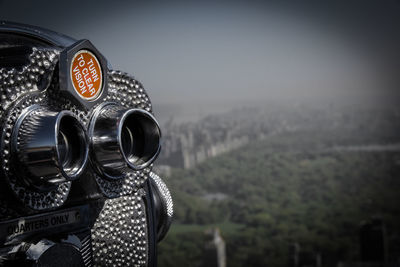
{"type": "Point", "coordinates": [282, 186]}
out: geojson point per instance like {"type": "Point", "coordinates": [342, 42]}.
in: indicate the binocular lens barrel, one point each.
{"type": "Point", "coordinates": [123, 139]}
{"type": "Point", "coordinates": [140, 138]}
{"type": "Point", "coordinates": [51, 146]}
{"type": "Point", "coordinates": [71, 146]}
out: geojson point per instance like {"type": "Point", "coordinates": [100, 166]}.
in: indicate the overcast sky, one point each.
{"type": "Point", "coordinates": [233, 52]}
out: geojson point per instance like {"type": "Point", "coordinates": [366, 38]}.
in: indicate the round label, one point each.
{"type": "Point", "coordinates": [86, 75]}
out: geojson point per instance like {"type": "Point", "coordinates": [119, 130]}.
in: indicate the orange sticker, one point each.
{"type": "Point", "coordinates": [86, 75]}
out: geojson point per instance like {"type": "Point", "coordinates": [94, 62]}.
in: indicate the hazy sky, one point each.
{"type": "Point", "coordinates": [208, 52]}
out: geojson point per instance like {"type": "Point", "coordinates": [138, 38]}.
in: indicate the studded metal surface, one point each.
{"type": "Point", "coordinates": [115, 188]}
{"type": "Point", "coordinates": [165, 194]}
{"type": "Point", "coordinates": [120, 232]}
{"type": "Point", "coordinates": [128, 92]}
{"type": "Point", "coordinates": [15, 83]}
{"type": "Point", "coordinates": [36, 84]}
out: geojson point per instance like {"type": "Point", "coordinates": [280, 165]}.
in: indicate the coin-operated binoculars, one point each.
{"type": "Point", "coordinates": [78, 140]}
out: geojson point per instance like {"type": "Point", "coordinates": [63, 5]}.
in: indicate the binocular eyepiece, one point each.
{"type": "Point", "coordinates": [50, 147]}
{"type": "Point", "coordinates": [123, 139]}
{"type": "Point", "coordinates": [53, 147]}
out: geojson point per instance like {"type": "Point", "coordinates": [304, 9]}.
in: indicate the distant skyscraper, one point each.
{"type": "Point", "coordinates": [214, 254]}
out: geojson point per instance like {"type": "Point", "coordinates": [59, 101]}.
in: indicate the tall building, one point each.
{"type": "Point", "coordinates": [214, 253]}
